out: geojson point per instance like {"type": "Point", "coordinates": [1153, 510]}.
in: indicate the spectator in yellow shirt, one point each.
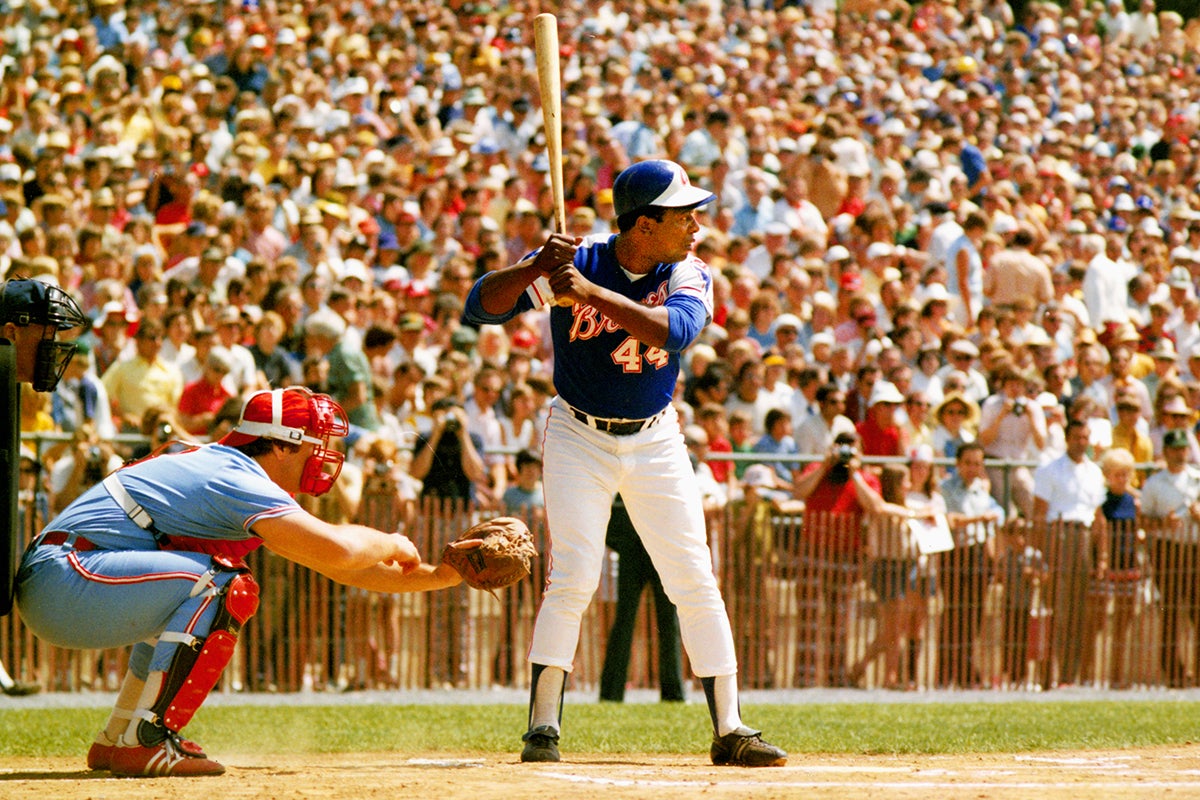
{"type": "Point", "coordinates": [143, 380]}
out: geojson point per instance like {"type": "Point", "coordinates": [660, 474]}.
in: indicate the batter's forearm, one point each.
{"type": "Point", "coordinates": [648, 324]}
{"type": "Point", "coordinates": [500, 290]}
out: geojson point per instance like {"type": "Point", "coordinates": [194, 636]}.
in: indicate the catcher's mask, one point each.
{"type": "Point", "coordinates": [316, 419]}
{"type": "Point", "coordinates": [25, 302]}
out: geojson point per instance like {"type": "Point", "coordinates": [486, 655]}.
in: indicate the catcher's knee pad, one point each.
{"type": "Point", "coordinates": [198, 664]}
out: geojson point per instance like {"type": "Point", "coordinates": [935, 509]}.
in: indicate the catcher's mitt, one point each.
{"type": "Point", "coordinates": [492, 554]}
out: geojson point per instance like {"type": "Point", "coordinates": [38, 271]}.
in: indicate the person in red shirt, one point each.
{"type": "Point", "coordinates": [203, 398]}
{"type": "Point", "coordinates": [881, 434]}
{"type": "Point", "coordinates": [836, 493]}
{"type": "Point", "coordinates": [711, 417]}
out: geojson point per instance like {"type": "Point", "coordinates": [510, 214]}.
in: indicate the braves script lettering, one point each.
{"type": "Point", "coordinates": [589, 323]}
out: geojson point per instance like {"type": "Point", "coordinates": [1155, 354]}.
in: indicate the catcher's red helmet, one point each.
{"type": "Point", "coordinates": [296, 415]}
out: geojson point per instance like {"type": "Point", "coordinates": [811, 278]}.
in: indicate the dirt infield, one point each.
{"type": "Point", "coordinates": [1149, 772]}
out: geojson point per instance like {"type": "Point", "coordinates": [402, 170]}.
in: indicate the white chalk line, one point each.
{"type": "Point", "coordinates": [709, 782]}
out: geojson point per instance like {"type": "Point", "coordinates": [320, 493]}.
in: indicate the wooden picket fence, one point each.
{"type": "Point", "coordinates": [816, 600]}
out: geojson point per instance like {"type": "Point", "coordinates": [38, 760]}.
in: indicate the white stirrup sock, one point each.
{"type": "Point", "coordinates": [149, 695]}
{"type": "Point", "coordinates": [118, 720]}
{"type": "Point", "coordinates": [547, 698]}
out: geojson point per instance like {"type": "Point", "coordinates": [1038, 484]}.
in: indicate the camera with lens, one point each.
{"type": "Point", "coordinates": [93, 467]}
{"type": "Point", "coordinates": [1018, 409]}
{"type": "Point", "coordinates": [452, 423]}
{"type": "Point", "coordinates": [844, 454]}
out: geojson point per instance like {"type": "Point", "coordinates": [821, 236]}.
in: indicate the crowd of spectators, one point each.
{"type": "Point", "coordinates": [936, 222]}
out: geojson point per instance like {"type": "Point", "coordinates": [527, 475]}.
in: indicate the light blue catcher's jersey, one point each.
{"type": "Point", "coordinates": [206, 500]}
{"type": "Point", "coordinates": [599, 368]}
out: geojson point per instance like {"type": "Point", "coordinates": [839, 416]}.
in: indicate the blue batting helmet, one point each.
{"type": "Point", "coordinates": [656, 183]}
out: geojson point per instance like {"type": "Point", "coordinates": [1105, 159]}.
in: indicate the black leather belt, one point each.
{"type": "Point", "coordinates": [617, 427]}
{"type": "Point", "coordinates": [62, 537]}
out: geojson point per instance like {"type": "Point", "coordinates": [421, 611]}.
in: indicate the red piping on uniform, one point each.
{"type": "Point", "coordinates": [73, 560]}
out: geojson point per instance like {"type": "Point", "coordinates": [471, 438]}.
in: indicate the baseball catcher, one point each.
{"type": "Point", "coordinates": [164, 538]}
{"type": "Point", "coordinates": [493, 554]}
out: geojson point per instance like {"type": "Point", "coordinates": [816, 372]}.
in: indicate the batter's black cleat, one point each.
{"type": "Point", "coordinates": [21, 689]}
{"type": "Point", "coordinates": [745, 748]}
{"type": "Point", "coordinates": [541, 744]}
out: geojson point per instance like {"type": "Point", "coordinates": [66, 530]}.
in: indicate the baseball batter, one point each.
{"type": "Point", "coordinates": [638, 298]}
{"type": "Point", "coordinates": [152, 557]}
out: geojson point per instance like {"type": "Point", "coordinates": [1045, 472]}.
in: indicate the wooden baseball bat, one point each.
{"type": "Point", "coordinates": [545, 46]}
{"type": "Point", "coordinates": [545, 41]}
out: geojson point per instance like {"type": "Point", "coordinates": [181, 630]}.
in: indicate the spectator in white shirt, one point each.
{"type": "Point", "coordinates": [815, 435]}
{"type": "Point", "coordinates": [1067, 493]}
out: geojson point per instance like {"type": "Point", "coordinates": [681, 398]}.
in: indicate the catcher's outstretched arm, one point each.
{"type": "Point", "coordinates": [391, 580]}
{"type": "Point", "coordinates": [322, 546]}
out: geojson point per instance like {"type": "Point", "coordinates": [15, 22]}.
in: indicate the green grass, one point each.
{"type": "Point", "coordinates": [651, 728]}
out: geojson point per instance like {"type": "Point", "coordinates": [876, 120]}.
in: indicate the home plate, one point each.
{"type": "Point", "coordinates": [445, 763]}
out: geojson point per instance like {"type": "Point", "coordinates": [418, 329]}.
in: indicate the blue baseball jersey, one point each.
{"type": "Point", "coordinates": [205, 499]}
{"type": "Point", "coordinates": [599, 368]}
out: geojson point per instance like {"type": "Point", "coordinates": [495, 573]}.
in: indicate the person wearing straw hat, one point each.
{"type": "Point", "coordinates": [1173, 413]}
{"type": "Point", "coordinates": [956, 419]}
{"type": "Point", "coordinates": [1014, 429]}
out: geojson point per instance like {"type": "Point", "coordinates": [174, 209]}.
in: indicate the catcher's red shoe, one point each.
{"type": "Point", "coordinates": [164, 760]}
{"type": "Point", "coordinates": [100, 755]}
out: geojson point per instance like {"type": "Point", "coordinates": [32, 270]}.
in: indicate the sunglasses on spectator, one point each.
{"type": "Point", "coordinates": [954, 412]}
{"type": "Point", "coordinates": [867, 319]}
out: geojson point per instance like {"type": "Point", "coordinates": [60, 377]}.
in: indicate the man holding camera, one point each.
{"type": "Point", "coordinates": [448, 460]}
{"type": "Point", "coordinates": [1013, 429]}
{"type": "Point", "coordinates": [836, 493]}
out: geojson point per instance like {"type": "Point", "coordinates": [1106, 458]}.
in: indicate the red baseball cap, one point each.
{"type": "Point", "coordinates": [850, 282]}
{"type": "Point", "coordinates": [524, 339]}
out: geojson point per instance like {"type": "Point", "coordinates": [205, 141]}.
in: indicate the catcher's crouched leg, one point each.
{"type": "Point", "coordinates": [194, 671]}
